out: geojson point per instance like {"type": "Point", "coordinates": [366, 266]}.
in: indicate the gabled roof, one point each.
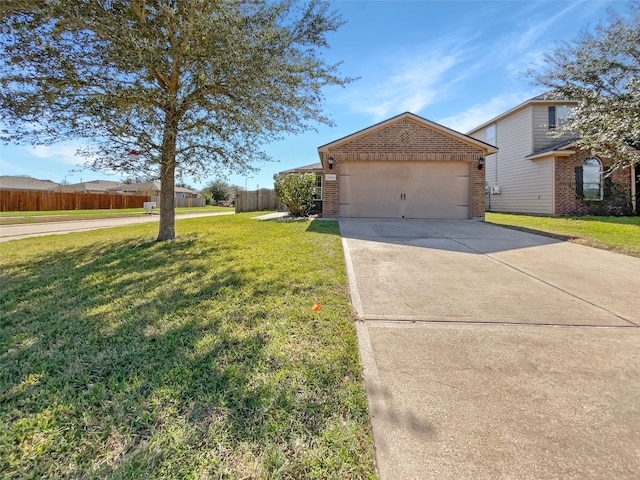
{"type": "Point", "coordinates": [93, 185]}
{"type": "Point", "coordinates": [314, 167]}
{"type": "Point", "coordinates": [544, 99]}
{"type": "Point", "coordinates": [146, 187]}
{"type": "Point", "coordinates": [551, 97]}
{"type": "Point", "coordinates": [423, 121]}
{"type": "Point", "coordinates": [8, 182]}
{"type": "Point", "coordinates": [137, 187]}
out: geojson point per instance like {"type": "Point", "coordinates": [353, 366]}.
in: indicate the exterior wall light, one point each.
{"type": "Point", "coordinates": [480, 163]}
{"type": "Point", "coordinates": [330, 163]}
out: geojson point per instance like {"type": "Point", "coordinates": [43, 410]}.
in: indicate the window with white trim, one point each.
{"type": "Point", "coordinates": [559, 115]}
{"type": "Point", "coordinates": [491, 134]}
{"type": "Point", "coordinates": [592, 179]}
{"type": "Point", "coordinates": [317, 193]}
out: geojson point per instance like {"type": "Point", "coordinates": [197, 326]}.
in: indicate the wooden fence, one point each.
{"type": "Point", "coordinates": [41, 200]}
{"type": "Point", "coordinates": [257, 201]}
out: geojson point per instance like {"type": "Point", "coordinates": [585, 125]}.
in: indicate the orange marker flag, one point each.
{"type": "Point", "coordinates": [316, 307]}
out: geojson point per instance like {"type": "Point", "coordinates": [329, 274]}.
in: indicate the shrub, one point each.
{"type": "Point", "coordinates": [296, 191]}
{"type": "Point", "coordinates": [616, 201]}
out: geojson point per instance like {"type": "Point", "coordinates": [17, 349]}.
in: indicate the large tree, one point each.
{"type": "Point", "coordinates": [601, 70]}
{"type": "Point", "coordinates": [218, 190]}
{"type": "Point", "coordinates": [191, 85]}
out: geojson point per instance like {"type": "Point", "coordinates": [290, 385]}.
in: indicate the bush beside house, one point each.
{"type": "Point", "coordinates": [296, 191]}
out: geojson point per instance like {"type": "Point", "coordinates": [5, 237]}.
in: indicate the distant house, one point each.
{"type": "Point", "coordinates": [536, 172]}
{"type": "Point", "coordinates": [8, 182]}
{"type": "Point", "coordinates": [152, 189]}
{"type": "Point", "coordinates": [93, 186]}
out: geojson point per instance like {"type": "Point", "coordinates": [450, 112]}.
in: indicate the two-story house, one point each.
{"type": "Point", "coordinates": [539, 173]}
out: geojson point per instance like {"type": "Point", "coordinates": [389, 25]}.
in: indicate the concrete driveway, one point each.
{"type": "Point", "coordinates": [490, 353]}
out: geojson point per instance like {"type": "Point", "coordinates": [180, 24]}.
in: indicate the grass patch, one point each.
{"type": "Point", "coordinates": [14, 218]}
{"type": "Point", "coordinates": [197, 358]}
{"type": "Point", "coordinates": [618, 234]}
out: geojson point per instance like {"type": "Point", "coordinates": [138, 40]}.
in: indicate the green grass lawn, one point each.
{"type": "Point", "coordinates": [121, 357]}
{"type": "Point", "coordinates": [13, 218]}
{"type": "Point", "coordinates": [619, 234]}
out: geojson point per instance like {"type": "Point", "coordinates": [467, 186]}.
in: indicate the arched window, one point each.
{"type": "Point", "coordinates": [592, 179]}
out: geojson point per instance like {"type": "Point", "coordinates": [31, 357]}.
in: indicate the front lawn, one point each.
{"type": "Point", "coordinates": [121, 357]}
{"type": "Point", "coordinates": [619, 234]}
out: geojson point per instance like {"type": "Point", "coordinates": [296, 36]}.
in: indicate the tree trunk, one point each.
{"type": "Point", "coordinates": [167, 230]}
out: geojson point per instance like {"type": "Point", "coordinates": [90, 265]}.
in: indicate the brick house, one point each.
{"type": "Point", "coordinates": [403, 167]}
{"type": "Point", "coordinates": [538, 173]}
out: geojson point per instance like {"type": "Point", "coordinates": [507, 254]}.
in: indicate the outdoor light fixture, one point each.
{"type": "Point", "coordinates": [330, 163]}
{"type": "Point", "coordinates": [480, 163]}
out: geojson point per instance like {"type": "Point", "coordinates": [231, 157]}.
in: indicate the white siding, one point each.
{"type": "Point", "coordinates": [526, 185]}
{"type": "Point", "coordinates": [480, 135]}
{"type": "Point", "coordinates": [542, 137]}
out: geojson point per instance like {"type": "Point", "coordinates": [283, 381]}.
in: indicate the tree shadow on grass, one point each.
{"type": "Point", "coordinates": [144, 359]}
{"type": "Point", "coordinates": [327, 227]}
{"type": "Point", "coordinates": [618, 220]}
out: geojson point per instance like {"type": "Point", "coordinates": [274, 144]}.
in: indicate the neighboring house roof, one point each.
{"type": "Point", "coordinates": [8, 182]}
{"type": "Point", "coordinates": [91, 186]}
{"type": "Point", "coordinates": [147, 187]}
{"type": "Point", "coordinates": [545, 99]}
{"type": "Point", "coordinates": [314, 167]}
{"type": "Point", "coordinates": [552, 97]}
{"type": "Point", "coordinates": [137, 187]}
{"type": "Point", "coordinates": [560, 149]}
{"type": "Point", "coordinates": [436, 126]}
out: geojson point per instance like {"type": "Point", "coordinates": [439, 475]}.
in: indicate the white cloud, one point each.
{"type": "Point", "coordinates": [64, 153]}
{"type": "Point", "coordinates": [8, 167]}
{"type": "Point", "coordinates": [538, 28]}
{"type": "Point", "coordinates": [413, 82]}
{"type": "Point", "coordinates": [480, 113]}
{"type": "Point", "coordinates": [532, 60]}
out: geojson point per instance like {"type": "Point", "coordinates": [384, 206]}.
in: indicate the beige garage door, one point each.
{"type": "Point", "coordinates": [404, 189]}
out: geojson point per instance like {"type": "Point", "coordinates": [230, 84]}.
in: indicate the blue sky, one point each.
{"type": "Point", "coordinates": [458, 63]}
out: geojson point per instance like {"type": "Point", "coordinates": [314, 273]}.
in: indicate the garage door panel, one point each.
{"type": "Point", "coordinates": [443, 197]}
{"type": "Point", "coordinates": [361, 193]}
{"type": "Point", "coordinates": [409, 189]}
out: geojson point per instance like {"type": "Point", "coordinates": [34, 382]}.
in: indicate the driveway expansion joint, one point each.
{"type": "Point", "coordinates": [429, 321]}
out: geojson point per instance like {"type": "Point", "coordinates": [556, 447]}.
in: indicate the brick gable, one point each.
{"type": "Point", "coordinates": [405, 138]}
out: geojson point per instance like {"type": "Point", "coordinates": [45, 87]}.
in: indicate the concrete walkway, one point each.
{"type": "Point", "coordinates": [26, 230]}
{"type": "Point", "coordinates": [491, 353]}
